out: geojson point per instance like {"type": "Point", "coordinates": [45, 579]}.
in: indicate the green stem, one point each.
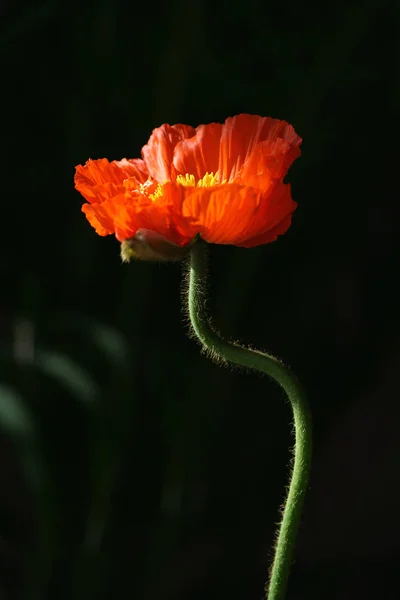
{"type": "Point", "coordinates": [259, 361]}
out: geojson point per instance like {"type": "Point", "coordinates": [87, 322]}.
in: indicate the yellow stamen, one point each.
{"type": "Point", "coordinates": [158, 192]}
{"type": "Point", "coordinates": [186, 180]}
{"type": "Point", "coordinates": [208, 180]}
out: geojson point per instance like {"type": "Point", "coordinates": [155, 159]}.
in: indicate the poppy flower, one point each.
{"type": "Point", "coordinates": [220, 182]}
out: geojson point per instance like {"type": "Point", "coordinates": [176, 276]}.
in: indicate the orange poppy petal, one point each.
{"type": "Point", "coordinates": [91, 178]}
{"type": "Point", "coordinates": [232, 213]}
{"type": "Point", "coordinates": [165, 225]}
{"type": "Point", "coordinates": [158, 152]}
{"type": "Point", "coordinates": [248, 153]}
{"type": "Point", "coordinates": [199, 154]}
{"type": "Point", "coordinates": [270, 160]}
{"type": "Point", "coordinates": [225, 148]}
{"type": "Point", "coordinates": [101, 216]}
{"type": "Point", "coordinates": [276, 205]}
{"type": "Point", "coordinates": [221, 214]}
{"type": "Point", "coordinates": [268, 236]}
{"type": "Point", "coordinates": [165, 217]}
{"type": "Point", "coordinates": [128, 211]}
{"type": "Point", "coordinates": [114, 216]}
{"type": "Point", "coordinates": [242, 133]}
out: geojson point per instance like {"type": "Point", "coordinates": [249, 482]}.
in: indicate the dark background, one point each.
{"type": "Point", "coordinates": [131, 466]}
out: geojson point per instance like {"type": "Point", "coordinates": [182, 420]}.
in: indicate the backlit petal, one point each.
{"type": "Point", "coordinates": [268, 161]}
{"type": "Point", "coordinates": [101, 215]}
{"type": "Point", "coordinates": [165, 215]}
{"type": "Point", "coordinates": [199, 154]}
{"type": "Point", "coordinates": [224, 182]}
{"type": "Point", "coordinates": [158, 152]}
{"type": "Point", "coordinates": [225, 148]}
{"type": "Point", "coordinates": [91, 178]}
{"type": "Point", "coordinates": [221, 214]}
{"type": "Point", "coordinates": [242, 133]}
{"type": "Point", "coordinates": [275, 207]}
{"type": "Point", "coordinates": [268, 236]}
{"type": "Point", "coordinates": [128, 211]}
{"type": "Point", "coordinates": [232, 213]}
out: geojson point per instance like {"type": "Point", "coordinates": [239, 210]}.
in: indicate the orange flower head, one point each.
{"type": "Point", "coordinates": [222, 182]}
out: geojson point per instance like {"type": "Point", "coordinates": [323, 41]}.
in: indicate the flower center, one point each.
{"type": "Point", "coordinates": [208, 180]}
{"type": "Point", "coordinates": [157, 193]}
{"type": "Point", "coordinates": [154, 191]}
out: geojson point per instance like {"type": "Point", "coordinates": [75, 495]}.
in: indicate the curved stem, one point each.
{"type": "Point", "coordinates": [259, 361]}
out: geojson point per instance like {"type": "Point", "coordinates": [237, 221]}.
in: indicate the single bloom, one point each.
{"type": "Point", "coordinates": [220, 182]}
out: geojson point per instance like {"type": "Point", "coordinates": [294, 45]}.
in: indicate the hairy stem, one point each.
{"type": "Point", "coordinates": [259, 361]}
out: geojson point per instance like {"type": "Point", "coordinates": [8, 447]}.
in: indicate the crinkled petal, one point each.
{"type": "Point", "coordinates": [130, 210]}
{"type": "Point", "coordinates": [199, 154]}
{"type": "Point", "coordinates": [159, 151]}
{"type": "Point", "coordinates": [275, 207]}
{"type": "Point", "coordinates": [102, 215]}
{"type": "Point", "coordinates": [270, 160]}
{"type": "Point", "coordinates": [268, 236]}
{"type": "Point", "coordinates": [233, 214]}
{"type": "Point", "coordinates": [165, 216]}
{"type": "Point", "coordinates": [93, 179]}
{"type": "Point", "coordinates": [240, 136]}
{"type": "Point", "coordinates": [226, 148]}
{"type": "Point", "coordinates": [249, 206]}
{"type": "Point", "coordinates": [221, 213]}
